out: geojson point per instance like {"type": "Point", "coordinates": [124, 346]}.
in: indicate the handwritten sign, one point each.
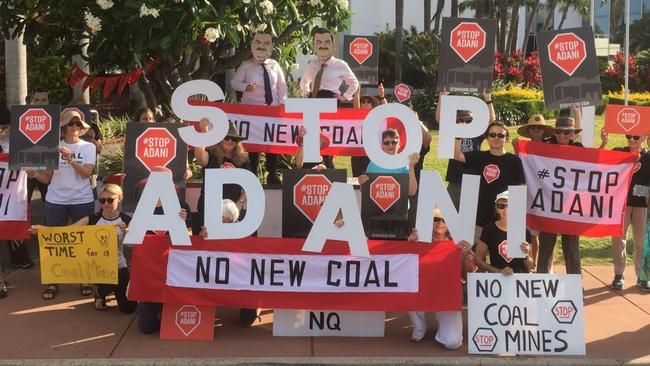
{"type": "Point", "coordinates": [78, 254]}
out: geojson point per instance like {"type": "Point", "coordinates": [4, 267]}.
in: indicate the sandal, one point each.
{"type": "Point", "coordinates": [86, 290]}
{"type": "Point", "coordinates": [100, 304]}
{"type": "Point", "coordinates": [50, 292]}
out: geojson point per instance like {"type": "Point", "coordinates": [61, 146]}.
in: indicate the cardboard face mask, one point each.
{"type": "Point", "coordinates": [323, 46]}
{"type": "Point", "coordinates": [262, 46]}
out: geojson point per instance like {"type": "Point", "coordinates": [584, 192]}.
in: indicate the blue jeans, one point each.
{"type": "Point", "coordinates": [59, 215]}
{"type": "Point", "coordinates": [149, 316]}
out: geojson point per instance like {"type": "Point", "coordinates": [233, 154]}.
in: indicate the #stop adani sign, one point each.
{"type": "Point", "coordinates": [567, 51]}
{"type": "Point", "coordinates": [310, 193]}
{"type": "Point", "coordinates": [627, 119]}
{"type": "Point", "coordinates": [360, 49]}
{"type": "Point", "coordinates": [35, 124]}
{"type": "Point", "coordinates": [362, 55]}
{"type": "Point", "coordinates": [384, 191]}
{"type": "Point", "coordinates": [155, 147]}
{"type": "Point", "coordinates": [467, 40]}
{"type": "Point", "coordinates": [34, 137]}
{"type": "Point", "coordinates": [187, 322]}
{"type": "Point", "coordinates": [384, 206]}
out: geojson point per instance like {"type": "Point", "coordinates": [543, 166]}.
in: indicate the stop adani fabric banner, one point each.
{"type": "Point", "coordinates": [276, 273]}
{"type": "Point", "coordinates": [576, 190]}
{"type": "Point", "coordinates": [14, 218]}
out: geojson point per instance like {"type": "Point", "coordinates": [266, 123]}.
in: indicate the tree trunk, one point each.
{"type": "Point", "coordinates": [565, 11]}
{"type": "Point", "coordinates": [81, 96]}
{"type": "Point", "coordinates": [514, 27]}
{"type": "Point", "coordinates": [502, 27]}
{"type": "Point", "coordinates": [454, 8]}
{"type": "Point", "coordinates": [529, 25]}
{"type": "Point", "coordinates": [549, 15]}
{"type": "Point", "coordinates": [427, 16]}
{"type": "Point", "coordinates": [15, 71]}
{"type": "Point", "coordinates": [478, 6]}
{"type": "Point", "coordinates": [440, 5]}
{"type": "Point", "coordinates": [399, 38]}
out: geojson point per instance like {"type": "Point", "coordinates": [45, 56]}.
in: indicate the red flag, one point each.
{"type": "Point", "coordinates": [124, 79]}
{"type": "Point", "coordinates": [109, 85]}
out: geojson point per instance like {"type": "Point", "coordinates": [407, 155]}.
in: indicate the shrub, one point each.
{"type": "Point", "coordinates": [50, 72]}
{"type": "Point", "coordinates": [514, 104]}
{"type": "Point", "coordinates": [425, 103]}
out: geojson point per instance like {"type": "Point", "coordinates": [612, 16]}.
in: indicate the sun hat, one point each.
{"type": "Point", "coordinates": [535, 120]}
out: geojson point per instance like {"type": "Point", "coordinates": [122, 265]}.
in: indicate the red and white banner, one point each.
{"type": "Point", "coordinates": [576, 190]}
{"type": "Point", "coordinates": [14, 217]}
{"type": "Point", "coordinates": [270, 129]}
{"type": "Point", "coordinates": [275, 273]}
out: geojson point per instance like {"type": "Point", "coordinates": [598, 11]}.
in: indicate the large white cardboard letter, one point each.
{"type": "Point", "coordinates": [218, 118]}
{"type": "Point", "coordinates": [311, 110]}
{"type": "Point", "coordinates": [449, 129]}
{"type": "Point", "coordinates": [517, 196]}
{"type": "Point", "coordinates": [371, 133]}
{"type": "Point", "coordinates": [160, 186]}
{"type": "Point", "coordinates": [461, 222]}
{"type": "Point", "coordinates": [214, 182]}
{"type": "Point", "coordinates": [340, 197]}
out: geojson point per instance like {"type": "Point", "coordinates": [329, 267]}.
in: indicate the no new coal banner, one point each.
{"type": "Point", "coordinates": [34, 137]}
{"type": "Point", "coordinates": [466, 55]}
{"type": "Point", "coordinates": [569, 68]}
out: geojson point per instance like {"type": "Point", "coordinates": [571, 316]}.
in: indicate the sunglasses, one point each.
{"type": "Point", "coordinates": [438, 219]}
{"type": "Point", "coordinates": [106, 200]}
{"type": "Point", "coordinates": [632, 137]}
{"type": "Point", "coordinates": [78, 124]}
{"type": "Point", "coordinates": [464, 120]}
{"type": "Point", "coordinates": [390, 142]}
{"type": "Point", "coordinates": [495, 135]}
{"type": "Point", "coordinates": [230, 138]}
{"type": "Point", "coordinates": [501, 206]}
{"type": "Point", "coordinates": [563, 132]}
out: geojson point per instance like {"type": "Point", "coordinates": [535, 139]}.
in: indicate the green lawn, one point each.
{"type": "Point", "coordinates": [596, 251]}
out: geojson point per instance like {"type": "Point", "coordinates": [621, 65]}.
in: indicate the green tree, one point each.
{"type": "Point", "coordinates": [188, 39]}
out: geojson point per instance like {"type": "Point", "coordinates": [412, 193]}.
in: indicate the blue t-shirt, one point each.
{"type": "Point", "coordinates": [374, 168]}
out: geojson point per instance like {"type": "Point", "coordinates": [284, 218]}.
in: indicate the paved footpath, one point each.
{"type": "Point", "coordinates": [617, 328]}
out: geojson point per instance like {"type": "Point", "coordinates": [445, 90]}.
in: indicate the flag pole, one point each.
{"type": "Point", "coordinates": [627, 50]}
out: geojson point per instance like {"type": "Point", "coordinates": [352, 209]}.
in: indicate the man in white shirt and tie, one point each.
{"type": "Point", "coordinates": [325, 74]}
{"type": "Point", "coordinates": [261, 81]}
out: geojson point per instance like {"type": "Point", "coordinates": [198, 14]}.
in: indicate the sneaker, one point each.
{"type": "Point", "coordinates": [643, 285]}
{"type": "Point", "coordinates": [617, 284]}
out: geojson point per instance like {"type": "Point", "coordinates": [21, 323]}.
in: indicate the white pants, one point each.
{"type": "Point", "coordinates": [450, 327]}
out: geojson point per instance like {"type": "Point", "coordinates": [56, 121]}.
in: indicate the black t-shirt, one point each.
{"type": "Point", "coordinates": [184, 205]}
{"type": "Point", "coordinates": [496, 241]}
{"type": "Point", "coordinates": [638, 191]}
{"type": "Point", "coordinates": [417, 168]}
{"type": "Point", "coordinates": [230, 191]}
{"type": "Point", "coordinates": [456, 169]}
{"type": "Point", "coordinates": [497, 173]}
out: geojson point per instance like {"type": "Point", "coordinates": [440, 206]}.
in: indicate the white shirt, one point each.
{"type": "Point", "coordinates": [67, 187]}
{"type": "Point", "coordinates": [250, 72]}
{"type": "Point", "coordinates": [336, 72]}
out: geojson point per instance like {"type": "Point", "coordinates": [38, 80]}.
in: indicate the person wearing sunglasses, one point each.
{"type": "Point", "coordinates": [450, 323]}
{"type": "Point", "coordinates": [494, 240]}
{"type": "Point", "coordinates": [564, 133]}
{"type": "Point", "coordinates": [390, 144]}
{"type": "Point", "coordinates": [70, 194]}
{"type": "Point", "coordinates": [456, 169]}
{"type": "Point", "coordinates": [498, 170]}
{"type": "Point", "coordinates": [228, 153]}
{"type": "Point", "coordinates": [635, 214]}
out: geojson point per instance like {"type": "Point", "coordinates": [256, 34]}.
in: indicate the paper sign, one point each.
{"type": "Point", "coordinates": [384, 206]}
{"type": "Point", "coordinates": [328, 323]}
{"type": "Point", "coordinates": [187, 322]}
{"type": "Point", "coordinates": [34, 137]}
{"type": "Point", "coordinates": [362, 55]}
{"type": "Point", "coordinates": [531, 314]}
{"type": "Point", "coordinates": [78, 254]}
{"type": "Point", "coordinates": [627, 119]}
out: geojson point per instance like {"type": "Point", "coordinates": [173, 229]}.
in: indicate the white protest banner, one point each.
{"type": "Point", "coordinates": [575, 190]}
{"type": "Point", "coordinates": [14, 221]}
{"type": "Point", "coordinates": [530, 314]}
{"type": "Point", "coordinates": [326, 323]}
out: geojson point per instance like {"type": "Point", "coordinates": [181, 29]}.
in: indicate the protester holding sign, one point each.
{"type": "Point", "coordinates": [494, 242]}
{"type": "Point", "coordinates": [564, 134]}
{"type": "Point", "coordinates": [390, 144]}
{"type": "Point", "coordinates": [456, 169]}
{"type": "Point", "coordinates": [261, 81]}
{"type": "Point", "coordinates": [450, 323]}
{"type": "Point", "coordinates": [228, 153]}
{"type": "Point", "coordinates": [498, 170]}
{"type": "Point", "coordinates": [70, 195]}
{"type": "Point", "coordinates": [636, 211]}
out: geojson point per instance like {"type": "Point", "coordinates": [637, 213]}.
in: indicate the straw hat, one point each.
{"type": "Point", "coordinates": [566, 123]}
{"type": "Point", "coordinates": [535, 120]}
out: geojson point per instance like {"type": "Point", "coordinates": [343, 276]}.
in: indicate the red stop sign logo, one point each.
{"type": "Point", "coordinates": [402, 92]}
{"type": "Point", "coordinates": [567, 51]}
{"type": "Point", "coordinates": [491, 172]}
{"type": "Point", "coordinates": [156, 146]}
{"type": "Point", "coordinates": [187, 319]}
{"type": "Point", "coordinates": [35, 124]}
{"type": "Point", "coordinates": [361, 49]}
{"type": "Point", "coordinates": [628, 118]}
{"type": "Point", "coordinates": [467, 40]}
{"type": "Point", "coordinates": [384, 191]}
{"type": "Point", "coordinates": [310, 193]}
{"type": "Point", "coordinates": [503, 251]}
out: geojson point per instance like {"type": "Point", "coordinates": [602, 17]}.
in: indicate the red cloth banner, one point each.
{"type": "Point", "coordinates": [14, 212]}
{"type": "Point", "coordinates": [275, 273]}
{"type": "Point", "coordinates": [575, 190]}
{"type": "Point", "coordinates": [271, 129]}
{"type": "Point", "coordinates": [627, 119]}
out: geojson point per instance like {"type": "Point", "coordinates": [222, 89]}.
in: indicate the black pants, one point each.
{"type": "Point", "coordinates": [570, 249]}
{"type": "Point", "coordinates": [18, 253]}
{"type": "Point", "coordinates": [123, 303]}
{"type": "Point", "coordinates": [359, 165]}
{"type": "Point", "coordinates": [32, 184]}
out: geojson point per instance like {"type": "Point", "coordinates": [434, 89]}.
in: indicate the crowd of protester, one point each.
{"type": "Point", "coordinates": [69, 197]}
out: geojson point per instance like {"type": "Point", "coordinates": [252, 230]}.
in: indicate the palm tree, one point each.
{"type": "Point", "coordinates": [529, 23]}
{"type": "Point", "coordinates": [399, 38]}
{"type": "Point", "coordinates": [15, 70]}
{"type": "Point", "coordinates": [427, 16]}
